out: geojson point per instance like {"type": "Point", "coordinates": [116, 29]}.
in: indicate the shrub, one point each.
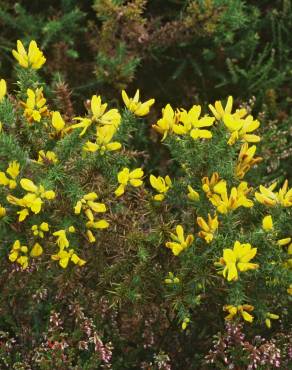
{"type": "Point", "coordinates": [113, 258]}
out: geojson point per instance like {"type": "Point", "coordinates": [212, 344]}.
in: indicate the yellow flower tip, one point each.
{"type": "Point", "coordinates": [185, 323]}
{"type": "Point", "coordinates": [193, 194]}
{"type": "Point", "coordinates": [284, 241]}
{"type": "Point", "coordinates": [57, 121]}
{"type": "Point", "coordinates": [267, 223]}
{"type": "Point", "coordinates": [268, 323]}
{"type": "Point", "coordinates": [37, 250]}
{"type": "Point", "coordinates": [3, 89]}
{"type": "Point", "coordinates": [2, 211]}
{"type": "Point", "coordinates": [71, 229]}
{"type": "Point", "coordinates": [28, 185]}
{"type": "Point", "coordinates": [120, 190]}
{"type": "Point", "coordinates": [90, 236]}
{"type": "Point", "coordinates": [159, 197]}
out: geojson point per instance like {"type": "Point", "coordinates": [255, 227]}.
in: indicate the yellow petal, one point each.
{"type": "Point", "coordinates": [28, 185]}
{"type": "Point", "coordinates": [267, 223]}
{"type": "Point", "coordinates": [120, 190]}
{"type": "Point", "coordinates": [136, 182]}
{"type": "Point", "coordinates": [90, 236]}
{"type": "Point", "coordinates": [137, 173]}
{"type": "Point", "coordinates": [123, 176]}
{"type": "Point", "coordinates": [37, 250]}
{"type": "Point", "coordinates": [57, 121]}
{"type": "Point", "coordinates": [3, 89]}
{"type": "Point", "coordinates": [246, 316]}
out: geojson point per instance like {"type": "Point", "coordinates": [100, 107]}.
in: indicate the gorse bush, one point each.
{"type": "Point", "coordinates": [192, 51]}
{"type": "Point", "coordinates": [109, 263]}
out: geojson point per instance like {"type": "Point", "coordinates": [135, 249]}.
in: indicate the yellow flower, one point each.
{"type": "Point", "coordinates": [171, 279]}
{"type": "Point", "coordinates": [212, 185]}
{"type": "Point", "coordinates": [18, 253]}
{"type": "Point", "coordinates": [13, 172]}
{"type": "Point", "coordinates": [88, 205]}
{"type": "Point", "coordinates": [161, 185]}
{"type": "Point", "coordinates": [185, 323]}
{"type": "Point", "coordinates": [100, 224]}
{"type": "Point", "coordinates": [62, 240]}
{"type": "Point", "coordinates": [34, 58]}
{"type": "Point", "coordinates": [3, 89]}
{"type": "Point", "coordinates": [77, 260]}
{"type": "Point", "coordinates": [35, 106]}
{"type": "Point", "coordinates": [98, 116]}
{"type": "Point", "coordinates": [246, 160]}
{"type": "Point", "coordinates": [192, 194]}
{"type": "Point", "coordinates": [284, 241]}
{"type": "Point", "coordinates": [241, 128]}
{"type": "Point", "coordinates": [64, 257]}
{"type": "Point", "coordinates": [48, 157]}
{"type": "Point", "coordinates": [289, 290]}
{"type": "Point", "coordinates": [39, 230]}
{"type": "Point", "coordinates": [237, 198]}
{"type": "Point", "coordinates": [267, 197]}
{"type": "Point", "coordinates": [103, 142]}
{"type": "Point", "coordinates": [219, 112]}
{"type": "Point", "coordinates": [237, 260]}
{"type": "Point", "coordinates": [193, 124]}
{"type": "Point", "coordinates": [267, 223]}
{"type": "Point", "coordinates": [111, 117]}
{"type": "Point", "coordinates": [179, 242]}
{"type": "Point", "coordinates": [126, 176]}
{"type": "Point", "coordinates": [33, 200]}
{"type": "Point", "coordinates": [2, 211]}
{"type": "Point", "coordinates": [242, 310]}
{"type": "Point", "coordinates": [135, 106]}
{"type": "Point", "coordinates": [208, 229]}
{"type": "Point", "coordinates": [269, 317]}
{"type": "Point", "coordinates": [37, 250]}
{"type": "Point", "coordinates": [166, 124]}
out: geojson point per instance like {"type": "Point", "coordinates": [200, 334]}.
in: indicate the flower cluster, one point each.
{"type": "Point", "coordinates": [60, 173]}
{"type": "Point", "coordinates": [182, 122]}
{"type": "Point", "coordinates": [32, 200]}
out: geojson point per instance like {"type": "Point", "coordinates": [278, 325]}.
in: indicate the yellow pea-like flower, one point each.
{"type": "Point", "coordinates": [179, 243]}
{"type": "Point", "coordinates": [241, 310]}
{"type": "Point", "coordinates": [126, 177]}
{"type": "Point", "coordinates": [135, 106]}
{"type": "Point", "coordinates": [237, 259]}
{"type": "Point", "coordinates": [161, 185]}
{"type": "Point", "coordinates": [3, 89]}
{"type": "Point", "coordinates": [34, 58]}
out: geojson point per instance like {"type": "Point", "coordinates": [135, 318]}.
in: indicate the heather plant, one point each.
{"type": "Point", "coordinates": [111, 258]}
